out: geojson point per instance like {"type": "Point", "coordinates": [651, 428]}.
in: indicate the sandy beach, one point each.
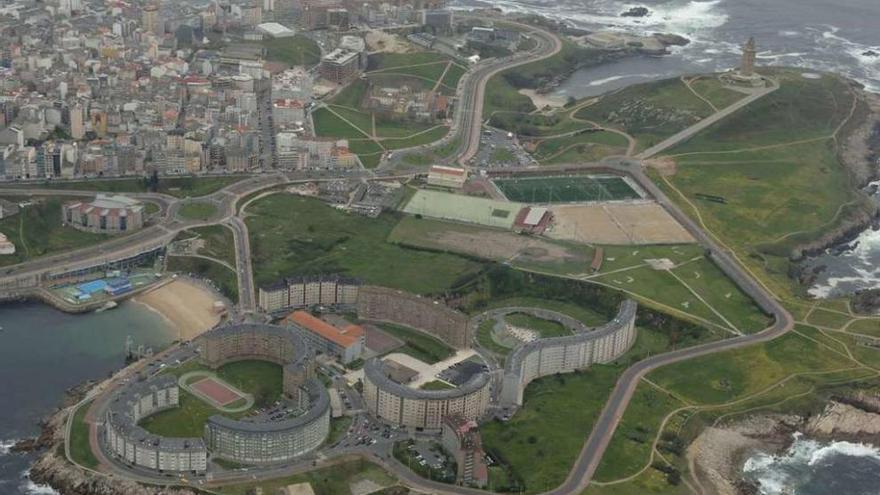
{"type": "Point", "coordinates": [188, 307]}
{"type": "Point", "coordinates": [543, 100]}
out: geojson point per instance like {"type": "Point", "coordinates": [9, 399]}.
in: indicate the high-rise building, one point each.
{"type": "Point", "coordinates": [150, 19]}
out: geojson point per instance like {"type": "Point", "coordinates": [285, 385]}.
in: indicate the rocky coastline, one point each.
{"type": "Point", "coordinates": [859, 153]}
{"type": "Point", "coordinates": [53, 469]}
{"type": "Point", "coordinates": [717, 455]}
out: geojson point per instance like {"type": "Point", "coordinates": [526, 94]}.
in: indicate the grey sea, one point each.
{"type": "Point", "coordinates": [43, 352]}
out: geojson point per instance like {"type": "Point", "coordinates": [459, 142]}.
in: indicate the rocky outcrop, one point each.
{"type": "Point", "coordinates": [636, 12]}
{"type": "Point", "coordinates": [717, 455]}
{"type": "Point", "coordinates": [55, 471]}
{"type": "Point", "coordinates": [840, 421]}
{"type": "Point", "coordinates": [866, 301]}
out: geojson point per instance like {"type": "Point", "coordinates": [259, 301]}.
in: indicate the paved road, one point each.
{"type": "Point", "coordinates": [705, 123]}
{"type": "Point", "coordinates": [247, 300]}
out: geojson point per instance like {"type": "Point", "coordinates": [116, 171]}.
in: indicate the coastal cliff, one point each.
{"type": "Point", "coordinates": [718, 454]}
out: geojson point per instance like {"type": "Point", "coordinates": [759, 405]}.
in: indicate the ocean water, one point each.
{"type": "Point", "coordinates": [809, 467]}
{"type": "Point", "coordinates": [43, 352]}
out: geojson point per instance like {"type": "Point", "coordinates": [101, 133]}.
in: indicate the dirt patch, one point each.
{"type": "Point", "coordinates": [380, 41]}
{"type": "Point", "coordinates": [502, 245]}
{"type": "Point", "coordinates": [665, 166]}
{"type": "Point", "coordinates": [620, 224]}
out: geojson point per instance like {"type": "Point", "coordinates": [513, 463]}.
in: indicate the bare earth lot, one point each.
{"type": "Point", "coordinates": [630, 224]}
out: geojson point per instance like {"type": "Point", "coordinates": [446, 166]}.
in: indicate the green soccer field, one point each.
{"type": "Point", "coordinates": [567, 189]}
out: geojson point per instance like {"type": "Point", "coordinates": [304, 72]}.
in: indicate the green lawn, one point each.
{"type": "Point", "coordinates": [328, 124]}
{"type": "Point", "coordinates": [419, 344]}
{"type": "Point", "coordinates": [590, 146]}
{"type": "Point", "coordinates": [37, 231]}
{"type": "Point", "coordinates": [650, 112]}
{"type": "Point", "coordinates": [338, 429]}
{"type": "Point", "coordinates": [80, 449]}
{"type": "Point", "coordinates": [713, 90]}
{"type": "Point", "coordinates": [261, 379]}
{"type": "Point", "coordinates": [296, 50]}
{"type": "Point", "coordinates": [545, 328]}
{"type": "Point", "coordinates": [218, 241]}
{"type": "Point", "coordinates": [484, 338]}
{"type": "Point", "coordinates": [292, 235]}
{"type": "Point", "coordinates": [197, 210]}
{"type": "Point", "coordinates": [727, 376]}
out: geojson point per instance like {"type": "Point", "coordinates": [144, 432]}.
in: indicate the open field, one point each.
{"type": "Point", "coordinates": [772, 154]}
{"type": "Point", "coordinates": [418, 344]}
{"type": "Point", "coordinates": [295, 50]}
{"type": "Point", "coordinates": [566, 189]}
{"type": "Point", "coordinates": [175, 186]}
{"type": "Point", "coordinates": [37, 231]}
{"type": "Point", "coordinates": [714, 90]}
{"type": "Point", "coordinates": [261, 379]}
{"type": "Point", "coordinates": [217, 242]}
{"type": "Point", "coordinates": [585, 147]}
{"type": "Point", "coordinates": [490, 244]}
{"type": "Point", "coordinates": [649, 112]}
{"type": "Point", "coordinates": [544, 328]}
{"type": "Point", "coordinates": [197, 210]}
{"type": "Point", "coordinates": [623, 224]}
{"type": "Point", "coordinates": [292, 235]}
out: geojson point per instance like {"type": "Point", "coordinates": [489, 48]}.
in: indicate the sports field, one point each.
{"type": "Point", "coordinates": [566, 189]}
{"type": "Point", "coordinates": [216, 391]}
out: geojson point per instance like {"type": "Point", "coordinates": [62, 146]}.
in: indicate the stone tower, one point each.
{"type": "Point", "coordinates": [747, 68]}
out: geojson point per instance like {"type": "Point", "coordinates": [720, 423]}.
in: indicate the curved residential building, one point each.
{"type": "Point", "coordinates": [135, 446]}
{"type": "Point", "coordinates": [298, 427]}
{"type": "Point", "coordinates": [280, 345]}
{"type": "Point", "coordinates": [269, 442]}
{"type": "Point", "coordinates": [422, 409]}
{"type": "Point", "coordinates": [554, 355]}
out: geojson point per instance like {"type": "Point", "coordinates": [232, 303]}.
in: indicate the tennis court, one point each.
{"type": "Point", "coordinates": [566, 189]}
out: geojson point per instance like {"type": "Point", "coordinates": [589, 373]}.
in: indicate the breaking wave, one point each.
{"type": "Point", "coordinates": [806, 466]}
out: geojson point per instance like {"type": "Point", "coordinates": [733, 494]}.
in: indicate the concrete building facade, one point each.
{"type": "Point", "coordinates": [427, 315]}
{"type": "Point", "coordinates": [135, 446]}
{"type": "Point", "coordinates": [346, 344]}
{"type": "Point", "coordinates": [106, 214]}
{"type": "Point", "coordinates": [567, 354]}
{"type": "Point", "coordinates": [422, 409]}
{"type": "Point", "coordinates": [302, 292]}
